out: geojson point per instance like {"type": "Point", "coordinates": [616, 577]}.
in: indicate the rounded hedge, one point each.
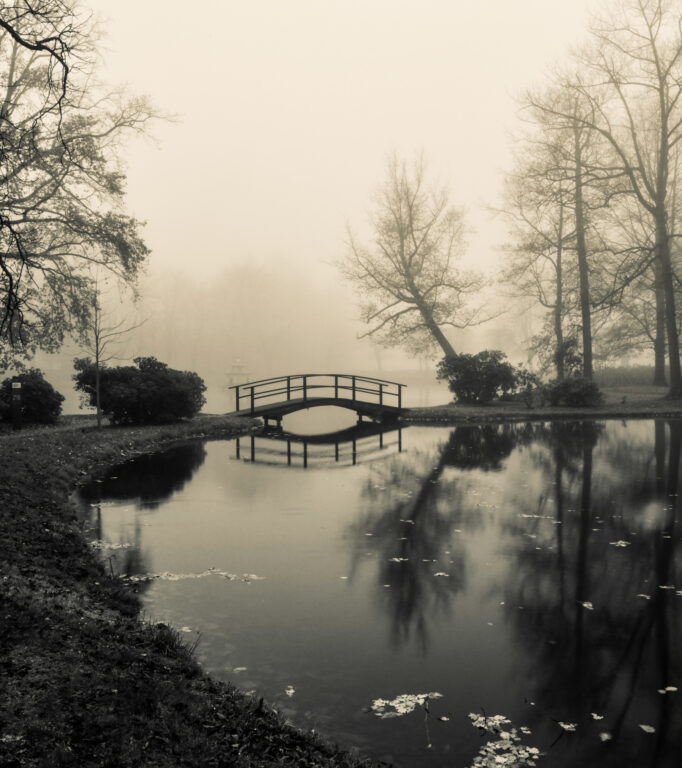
{"type": "Point", "coordinates": [40, 401]}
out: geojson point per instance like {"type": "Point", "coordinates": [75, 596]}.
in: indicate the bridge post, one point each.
{"type": "Point", "coordinates": [253, 448]}
{"type": "Point", "coordinates": [381, 394]}
{"type": "Point", "coordinates": [288, 387]}
{"type": "Point", "coordinates": [289, 452]}
{"type": "Point", "coordinates": [236, 394]}
{"type": "Point", "coordinates": [336, 451]}
{"type": "Point", "coordinates": [253, 401]}
{"type": "Point", "coordinates": [237, 444]}
{"type": "Point", "coordinates": [305, 387]}
{"type": "Point", "coordinates": [305, 454]}
{"type": "Point", "coordinates": [336, 386]}
{"type": "Point", "coordinates": [400, 393]}
{"type": "Point", "coordinates": [353, 387]}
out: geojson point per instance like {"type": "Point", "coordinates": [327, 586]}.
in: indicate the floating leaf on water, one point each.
{"type": "Point", "coordinates": [671, 688]}
{"type": "Point", "coordinates": [490, 624]}
{"type": "Point", "coordinates": [398, 559]}
{"type": "Point", "coordinates": [237, 670]}
{"type": "Point", "coordinates": [387, 585]}
{"type": "Point", "coordinates": [409, 522]}
{"type": "Point", "coordinates": [605, 736]}
{"type": "Point", "coordinates": [167, 576]}
{"type": "Point", "coordinates": [525, 729]}
{"type": "Point", "coordinates": [666, 586]}
{"type": "Point", "coordinates": [290, 690]}
{"type": "Point", "coordinates": [186, 629]}
{"type": "Point", "coordinates": [646, 597]}
{"type": "Point", "coordinates": [369, 534]}
{"type": "Point", "coordinates": [567, 726]}
{"type": "Point", "coordinates": [647, 728]}
{"type": "Point", "coordinates": [595, 716]}
{"type": "Point", "coordinates": [441, 573]}
{"type": "Point", "coordinates": [444, 719]}
{"type": "Point", "coordinates": [401, 705]}
{"type": "Point", "coordinates": [344, 578]}
{"type": "Point", "coordinates": [619, 543]}
{"type": "Point", "coordinates": [587, 604]}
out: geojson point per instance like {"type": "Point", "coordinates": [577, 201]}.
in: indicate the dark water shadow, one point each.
{"type": "Point", "coordinates": [149, 480]}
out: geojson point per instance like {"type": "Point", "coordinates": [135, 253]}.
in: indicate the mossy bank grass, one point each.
{"type": "Point", "coordinates": [85, 681]}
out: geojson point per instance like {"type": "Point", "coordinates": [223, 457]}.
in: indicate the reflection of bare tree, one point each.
{"type": "Point", "coordinates": [412, 508]}
{"type": "Point", "coordinates": [616, 642]}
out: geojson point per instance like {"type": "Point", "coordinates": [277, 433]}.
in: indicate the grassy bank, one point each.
{"type": "Point", "coordinates": [85, 681]}
{"type": "Point", "coordinates": [625, 402]}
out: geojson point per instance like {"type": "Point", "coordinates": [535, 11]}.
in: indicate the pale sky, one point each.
{"type": "Point", "coordinates": [288, 109]}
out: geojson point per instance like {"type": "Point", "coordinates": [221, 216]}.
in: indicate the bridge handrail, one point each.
{"type": "Point", "coordinates": [292, 385]}
{"type": "Point", "coordinates": [312, 375]}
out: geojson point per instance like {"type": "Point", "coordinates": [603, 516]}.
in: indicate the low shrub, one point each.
{"type": "Point", "coordinates": [148, 393]}
{"type": "Point", "coordinates": [40, 401]}
{"type": "Point", "coordinates": [484, 376]}
{"type": "Point", "coordinates": [574, 391]}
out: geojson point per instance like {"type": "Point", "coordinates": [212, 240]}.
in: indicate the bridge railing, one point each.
{"type": "Point", "coordinates": [309, 385]}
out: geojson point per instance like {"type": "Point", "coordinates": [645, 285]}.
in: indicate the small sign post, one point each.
{"type": "Point", "coordinates": [16, 405]}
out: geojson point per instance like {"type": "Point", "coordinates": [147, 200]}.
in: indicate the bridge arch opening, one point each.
{"type": "Point", "coordinates": [319, 420]}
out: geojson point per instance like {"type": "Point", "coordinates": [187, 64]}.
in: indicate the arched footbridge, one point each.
{"type": "Point", "coordinates": [268, 399]}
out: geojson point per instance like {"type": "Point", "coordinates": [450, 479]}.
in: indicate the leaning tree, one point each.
{"type": "Point", "coordinates": [61, 181]}
{"type": "Point", "coordinates": [407, 278]}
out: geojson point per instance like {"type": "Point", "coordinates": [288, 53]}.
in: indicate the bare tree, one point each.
{"type": "Point", "coordinates": [538, 215]}
{"type": "Point", "coordinates": [408, 281]}
{"type": "Point", "coordinates": [100, 335]}
{"type": "Point", "coordinates": [61, 181]}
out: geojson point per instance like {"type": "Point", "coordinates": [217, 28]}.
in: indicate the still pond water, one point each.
{"type": "Point", "coordinates": [530, 571]}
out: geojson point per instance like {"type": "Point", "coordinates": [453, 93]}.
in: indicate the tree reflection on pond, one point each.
{"type": "Point", "coordinates": [596, 582]}
{"type": "Point", "coordinates": [411, 514]}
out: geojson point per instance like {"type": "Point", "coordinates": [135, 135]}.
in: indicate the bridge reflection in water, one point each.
{"type": "Point", "coordinates": [364, 442]}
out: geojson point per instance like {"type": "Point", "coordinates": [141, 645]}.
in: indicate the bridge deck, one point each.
{"type": "Point", "coordinates": [378, 411]}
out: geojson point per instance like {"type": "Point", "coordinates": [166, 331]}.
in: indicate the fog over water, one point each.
{"type": "Point", "coordinates": [285, 114]}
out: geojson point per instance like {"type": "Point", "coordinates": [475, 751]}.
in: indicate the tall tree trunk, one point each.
{"type": "Point", "coordinates": [559, 301]}
{"type": "Point", "coordinates": [582, 259]}
{"type": "Point", "coordinates": [663, 253]}
{"type": "Point", "coordinates": [659, 341]}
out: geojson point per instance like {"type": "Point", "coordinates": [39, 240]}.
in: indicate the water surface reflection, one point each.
{"type": "Point", "coordinates": [529, 570]}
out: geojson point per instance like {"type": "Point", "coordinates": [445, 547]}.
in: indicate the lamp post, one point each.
{"type": "Point", "coordinates": [16, 405]}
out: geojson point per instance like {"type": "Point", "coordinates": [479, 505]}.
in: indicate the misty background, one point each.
{"type": "Point", "coordinates": [284, 115]}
